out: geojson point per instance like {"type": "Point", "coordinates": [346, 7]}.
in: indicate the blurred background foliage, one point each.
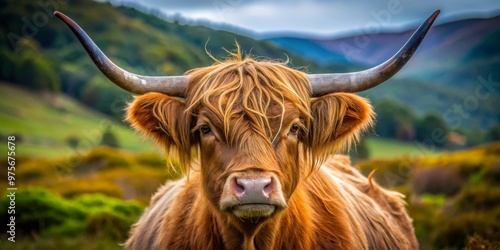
{"type": "Point", "coordinates": [84, 176]}
{"type": "Point", "coordinates": [451, 196]}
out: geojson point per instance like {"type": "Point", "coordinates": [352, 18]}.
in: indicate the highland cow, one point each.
{"type": "Point", "coordinates": [255, 142]}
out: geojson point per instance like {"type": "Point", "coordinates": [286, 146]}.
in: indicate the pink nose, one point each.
{"type": "Point", "coordinates": [253, 190]}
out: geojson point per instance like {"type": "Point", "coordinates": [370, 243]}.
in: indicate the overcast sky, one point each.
{"type": "Point", "coordinates": [322, 17]}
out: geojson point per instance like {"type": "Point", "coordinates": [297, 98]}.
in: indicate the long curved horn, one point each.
{"type": "Point", "coordinates": [138, 84]}
{"type": "Point", "coordinates": [362, 80]}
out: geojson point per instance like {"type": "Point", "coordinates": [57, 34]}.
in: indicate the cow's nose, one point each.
{"type": "Point", "coordinates": [253, 190]}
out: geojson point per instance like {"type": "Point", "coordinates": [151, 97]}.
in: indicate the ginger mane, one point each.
{"type": "Point", "coordinates": [244, 87]}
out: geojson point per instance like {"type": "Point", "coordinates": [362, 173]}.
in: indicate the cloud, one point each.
{"type": "Point", "coordinates": [323, 17]}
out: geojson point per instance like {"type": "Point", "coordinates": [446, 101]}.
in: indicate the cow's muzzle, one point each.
{"type": "Point", "coordinates": [252, 195]}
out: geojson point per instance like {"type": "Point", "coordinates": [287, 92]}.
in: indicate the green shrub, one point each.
{"type": "Point", "coordinates": [359, 151]}
{"type": "Point", "coordinates": [492, 149]}
{"type": "Point", "coordinates": [152, 160]}
{"type": "Point", "coordinates": [129, 210]}
{"type": "Point", "coordinates": [436, 180]}
{"type": "Point", "coordinates": [38, 210]}
{"type": "Point", "coordinates": [432, 129]}
{"type": "Point", "coordinates": [424, 218]}
{"type": "Point", "coordinates": [109, 139]}
{"type": "Point", "coordinates": [80, 242]}
{"type": "Point", "coordinates": [471, 166]}
{"type": "Point", "coordinates": [493, 133]}
{"type": "Point", "coordinates": [394, 119]}
{"type": "Point", "coordinates": [96, 203]}
{"type": "Point", "coordinates": [75, 187]}
{"type": "Point", "coordinates": [69, 228]}
{"type": "Point", "coordinates": [32, 170]}
{"type": "Point", "coordinates": [477, 178]}
{"type": "Point", "coordinates": [478, 198]}
{"type": "Point", "coordinates": [492, 173]}
{"type": "Point", "coordinates": [108, 225]}
{"type": "Point", "coordinates": [103, 158]}
{"type": "Point", "coordinates": [109, 217]}
{"type": "Point", "coordinates": [438, 200]}
{"type": "Point", "coordinates": [476, 241]}
{"type": "Point", "coordinates": [452, 230]}
{"type": "Point", "coordinates": [73, 141]}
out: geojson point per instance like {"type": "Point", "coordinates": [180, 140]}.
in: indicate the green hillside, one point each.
{"type": "Point", "coordinates": [43, 122]}
{"type": "Point", "coordinates": [54, 76]}
{"type": "Point", "coordinates": [136, 41]}
{"type": "Point", "coordinates": [422, 96]}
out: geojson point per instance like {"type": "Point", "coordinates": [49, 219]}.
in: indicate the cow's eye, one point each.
{"type": "Point", "coordinates": [205, 130]}
{"type": "Point", "coordinates": [294, 129]}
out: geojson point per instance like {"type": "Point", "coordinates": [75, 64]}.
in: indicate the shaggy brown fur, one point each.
{"type": "Point", "coordinates": [262, 120]}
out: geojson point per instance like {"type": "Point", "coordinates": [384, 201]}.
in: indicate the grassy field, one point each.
{"type": "Point", "coordinates": [387, 148]}
{"type": "Point", "coordinates": [451, 197]}
{"type": "Point", "coordinates": [44, 121]}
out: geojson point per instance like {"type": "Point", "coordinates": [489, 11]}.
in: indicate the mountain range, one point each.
{"type": "Point", "coordinates": [445, 47]}
{"type": "Point", "coordinates": [452, 63]}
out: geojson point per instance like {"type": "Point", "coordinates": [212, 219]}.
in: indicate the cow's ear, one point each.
{"type": "Point", "coordinates": [163, 118]}
{"type": "Point", "coordinates": [338, 120]}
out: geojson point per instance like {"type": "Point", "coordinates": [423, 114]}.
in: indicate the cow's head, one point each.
{"type": "Point", "coordinates": [258, 127]}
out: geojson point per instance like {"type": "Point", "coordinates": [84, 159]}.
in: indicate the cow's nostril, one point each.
{"type": "Point", "coordinates": [268, 189]}
{"type": "Point", "coordinates": [238, 189]}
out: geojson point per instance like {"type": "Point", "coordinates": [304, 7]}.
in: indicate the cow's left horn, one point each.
{"type": "Point", "coordinates": [138, 84]}
{"type": "Point", "coordinates": [358, 81]}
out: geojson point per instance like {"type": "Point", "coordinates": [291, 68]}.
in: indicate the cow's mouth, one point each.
{"type": "Point", "coordinates": [257, 210]}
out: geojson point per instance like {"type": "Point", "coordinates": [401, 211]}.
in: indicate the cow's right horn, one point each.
{"type": "Point", "coordinates": [323, 84]}
{"type": "Point", "coordinates": [138, 84]}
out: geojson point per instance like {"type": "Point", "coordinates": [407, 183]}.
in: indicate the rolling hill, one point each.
{"type": "Point", "coordinates": [43, 122]}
